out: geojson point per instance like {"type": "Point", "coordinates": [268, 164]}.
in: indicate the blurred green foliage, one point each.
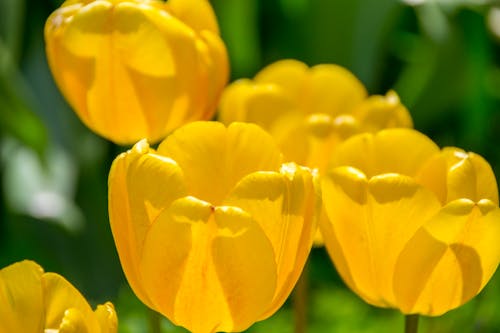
{"type": "Point", "coordinates": [442, 57]}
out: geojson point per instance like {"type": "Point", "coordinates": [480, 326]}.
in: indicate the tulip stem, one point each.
{"type": "Point", "coordinates": [411, 323]}
{"type": "Point", "coordinates": [300, 298]}
{"type": "Point", "coordinates": [154, 322]}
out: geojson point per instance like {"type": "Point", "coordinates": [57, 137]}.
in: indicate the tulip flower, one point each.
{"type": "Point", "coordinates": [411, 226]}
{"type": "Point", "coordinates": [33, 301]}
{"type": "Point", "coordinates": [210, 227]}
{"type": "Point", "coordinates": [309, 111]}
{"type": "Point", "coordinates": [134, 69]}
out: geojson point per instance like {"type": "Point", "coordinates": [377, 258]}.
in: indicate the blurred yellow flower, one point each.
{"type": "Point", "coordinates": [309, 111]}
{"type": "Point", "coordinates": [210, 228]}
{"type": "Point", "coordinates": [33, 301]}
{"type": "Point", "coordinates": [134, 69]}
{"type": "Point", "coordinates": [411, 227]}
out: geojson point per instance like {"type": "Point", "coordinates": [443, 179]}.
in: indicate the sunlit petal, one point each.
{"type": "Point", "coordinates": [370, 222]}
{"type": "Point", "coordinates": [198, 14]}
{"type": "Point", "coordinates": [214, 158]}
{"type": "Point", "coordinates": [60, 296]}
{"type": "Point", "coordinates": [288, 74]}
{"type": "Point", "coordinates": [402, 151]}
{"type": "Point", "coordinates": [450, 258]}
{"type": "Point", "coordinates": [21, 298]}
{"type": "Point", "coordinates": [106, 316]}
{"type": "Point", "coordinates": [141, 184]}
{"type": "Point", "coordinates": [279, 202]}
{"type": "Point", "coordinates": [333, 90]}
{"type": "Point", "coordinates": [209, 255]}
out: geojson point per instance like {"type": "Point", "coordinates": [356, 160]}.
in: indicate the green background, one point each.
{"type": "Point", "coordinates": [442, 57]}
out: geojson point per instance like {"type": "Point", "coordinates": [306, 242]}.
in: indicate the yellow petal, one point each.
{"type": "Point", "coordinates": [106, 316]}
{"type": "Point", "coordinates": [215, 59]}
{"type": "Point", "coordinates": [370, 221]}
{"type": "Point", "coordinates": [214, 158]}
{"type": "Point", "coordinates": [199, 267]}
{"type": "Point", "coordinates": [380, 112]}
{"type": "Point", "coordinates": [232, 102]}
{"type": "Point", "coordinates": [291, 134]}
{"type": "Point", "coordinates": [131, 70]}
{"type": "Point", "coordinates": [469, 176]}
{"type": "Point", "coordinates": [262, 104]}
{"type": "Point", "coordinates": [21, 307]}
{"type": "Point", "coordinates": [282, 204]}
{"type": "Point", "coordinates": [450, 259]}
{"type": "Point", "coordinates": [198, 14]}
{"type": "Point", "coordinates": [455, 174]}
{"type": "Point", "coordinates": [141, 184]}
{"type": "Point", "coordinates": [74, 321]}
{"type": "Point", "coordinates": [59, 296]}
{"type": "Point", "coordinates": [333, 90]}
{"type": "Point", "coordinates": [288, 74]}
{"type": "Point", "coordinates": [402, 151]}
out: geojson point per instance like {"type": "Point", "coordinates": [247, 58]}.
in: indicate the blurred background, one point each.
{"type": "Point", "coordinates": [441, 56]}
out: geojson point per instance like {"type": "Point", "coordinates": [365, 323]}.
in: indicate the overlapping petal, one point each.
{"type": "Point", "coordinates": [411, 226]}
{"type": "Point", "coordinates": [21, 296]}
{"type": "Point", "coordinates": [145, 174]}
{"type": "Point", "coordinates": [281, 203]}
{"type": "Point", "coordinates": [137, 69]}
{"type": "Point", "coordinates": [34, 301]}
{"type": "Point", "coordinates": [214, 158]}
{"type": "Point", "coordinates": [372, 220]}
{"type": "Point", "coordinates": [449, 259]}
{"type": "Point", "coordinates": [194, 220]}
{"type": "Point", "coordinates": [207, 255]}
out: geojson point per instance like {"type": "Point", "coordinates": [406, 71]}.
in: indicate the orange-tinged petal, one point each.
{"type": "Point", "coordinates": [199, 266]}
{"type": "Point", "coordinates": [289, 74]}
{"type": "Point", "coordinates": [131, 69]}
{"type": "Point", "coordinates": [106, 316]}
{"type": "Point", "coordinates": [21, 300]}
{"type": "Point", "coordinates": [401, 150]}
{"type": "Point", "coordinates": [198, 14]}
{"type": "Point", "coordinates": [333, 90]}
{"type": "Point", "coordinates": [60, 296]}
{"type": "Point", "coordinates": [450, 259]}
{"type": "Point", "coordinates": [214, 158]}
{"type": "Point", "coordinates": [279, 202]}
{"type": "Point", "coordinates": [141, 184]}
{"type": "Point", "coordinates": [370, 222]}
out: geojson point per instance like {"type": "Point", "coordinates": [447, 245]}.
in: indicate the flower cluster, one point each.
{"type": "Point", "coordinates": [214, 226]}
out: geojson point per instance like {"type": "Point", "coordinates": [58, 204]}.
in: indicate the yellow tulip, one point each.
{"type": "Point", "coordinates": [309, 111]}
{"type": "Point", "coordinates": [210, 227]}
{"type": "Point", "coordinates": [411, 226]}
{"type": "Point", "coordinates": [33, 301]}
{"type": "Point", "coordinates": [134, 69]}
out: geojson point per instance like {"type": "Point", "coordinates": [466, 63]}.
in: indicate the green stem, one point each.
{"type": "Point", "coordinates": [154, 322]}
{"type": "Point", "coordinates": [300, 298]}
{"type": "Point", "coordinates": [411, 323]}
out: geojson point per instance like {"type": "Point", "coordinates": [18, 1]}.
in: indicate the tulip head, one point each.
{"type": "Point", "coordinates": [411, 227]}
{"type": "Point", "coordinates": [210, 227]}
{"type": "Point", "coordinates": [310, 111]}
{"type": "Point", "coordinates": [35, 301]}
{"type": "Point", "coordinates": [134, 69]}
